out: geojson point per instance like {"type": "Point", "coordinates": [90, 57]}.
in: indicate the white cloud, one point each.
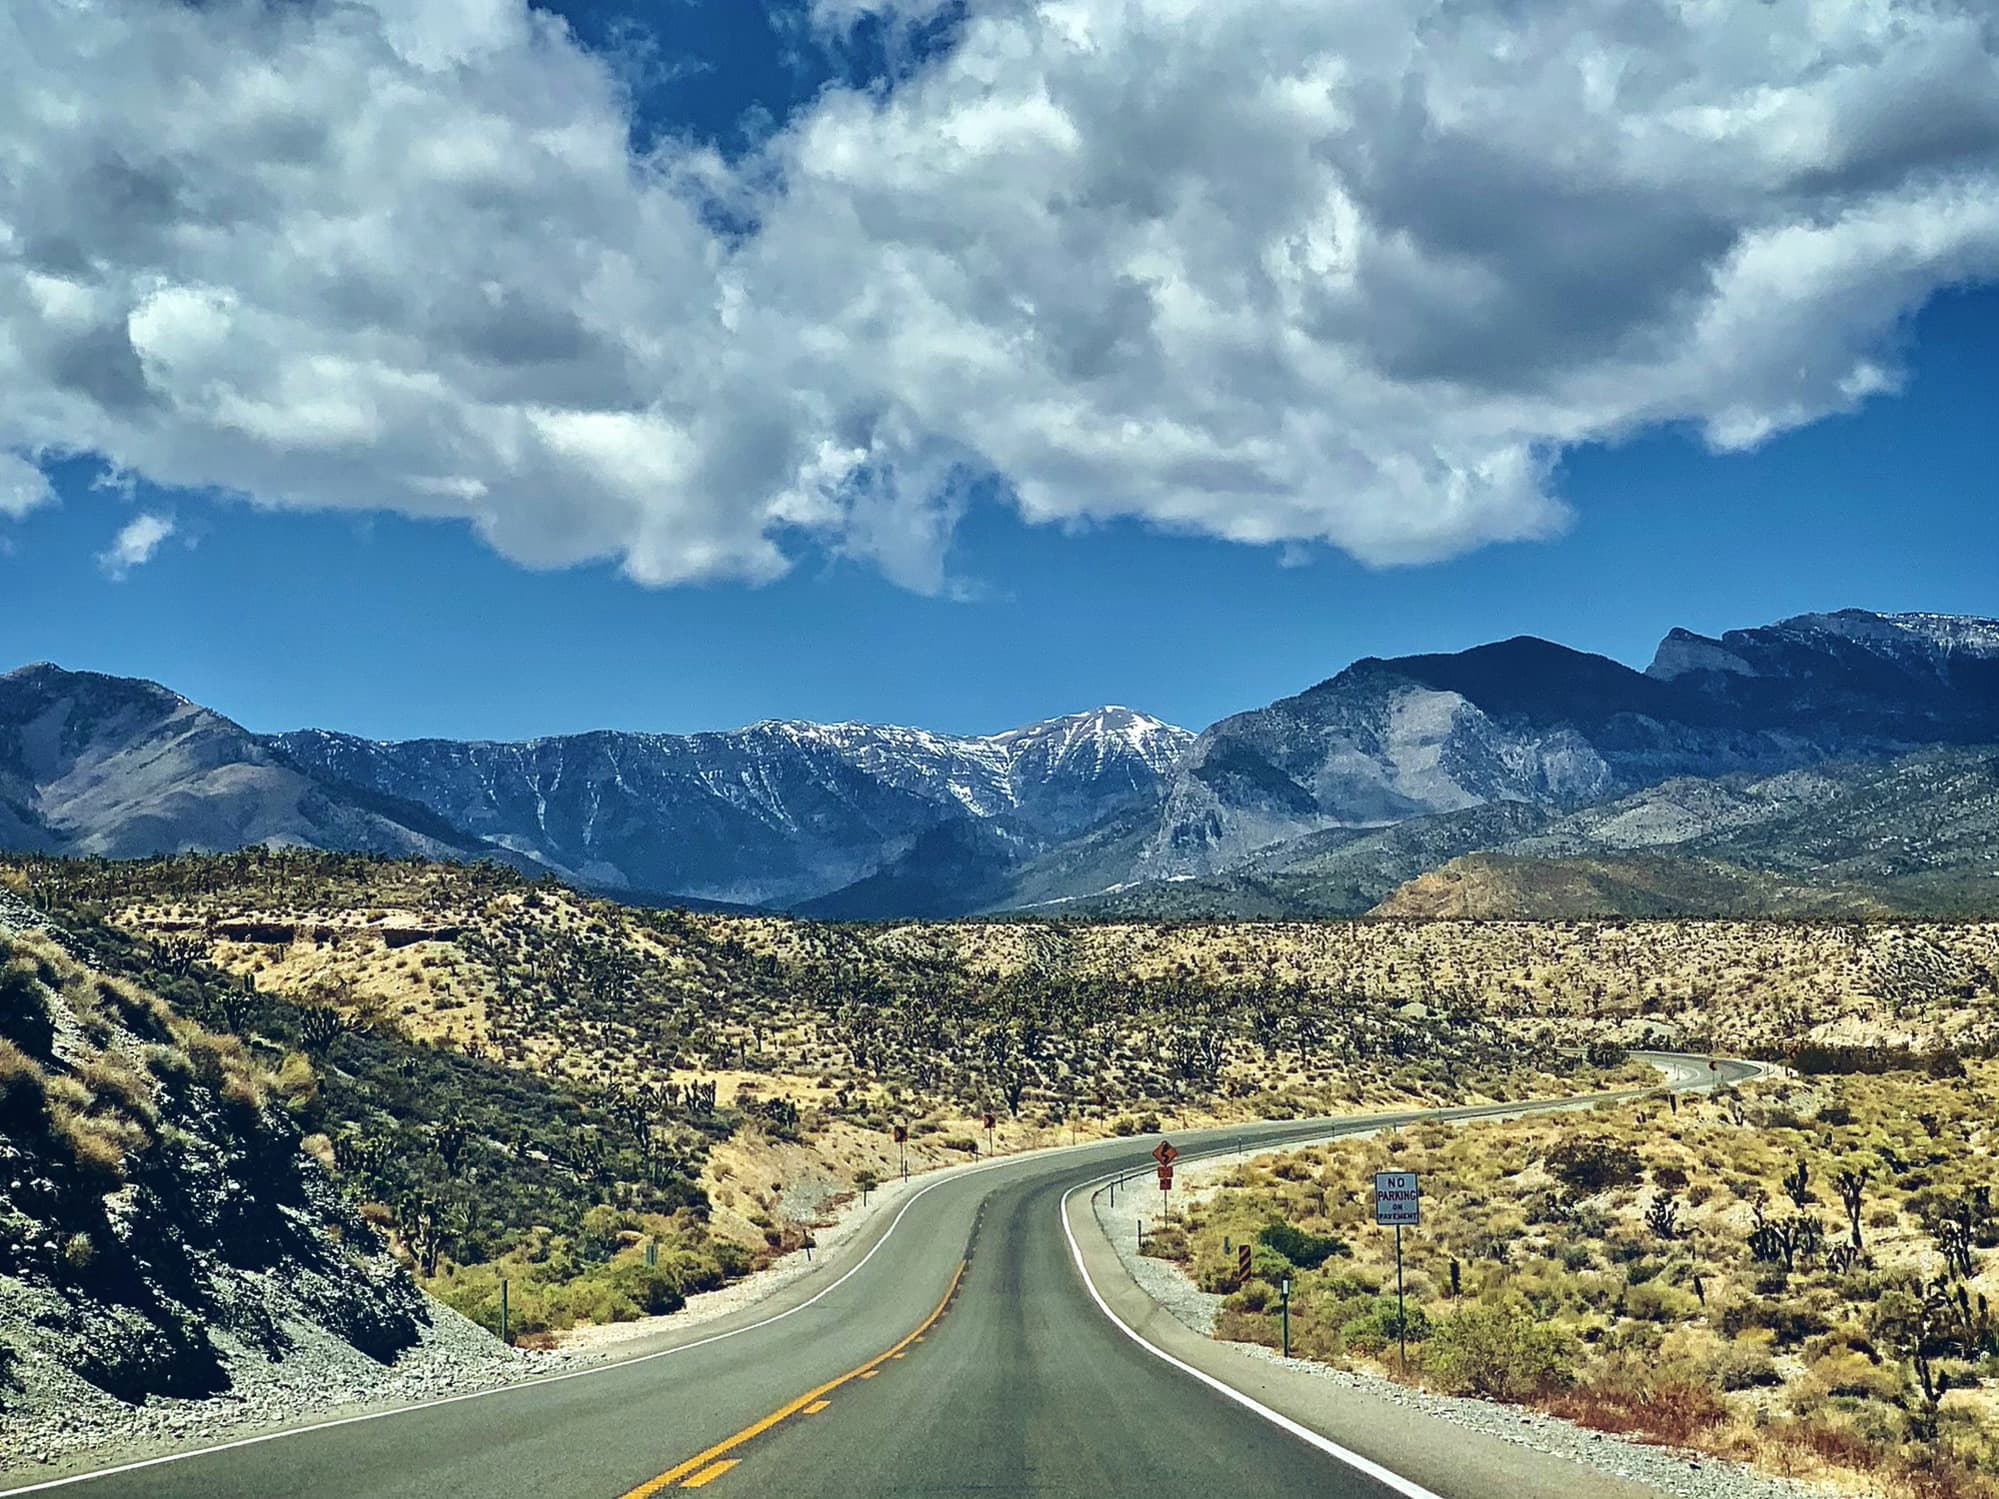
{"type": "Point", "coordinates": [135, 544]}
{"type": "Point", "coordinates": [22, 486]}
{"type": "Point", "coordinates": [1283, 272]}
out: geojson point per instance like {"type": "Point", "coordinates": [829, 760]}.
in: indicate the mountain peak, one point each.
{"type": "Point", "coordinates": [1945, 632]}
{"type": "Point", "coordinates": [49, 678]}
{"type": "Point", "coordinates": [1526, 674]}
{"type": "Point", "coordinates": [1926, 642]}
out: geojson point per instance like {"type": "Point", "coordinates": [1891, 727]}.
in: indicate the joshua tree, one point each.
{"type": "Point", "coordinates": [1798, 1185]}
{"type": "Point", "coordinates": [1663, 1216]}
{"type": "Point", "coordinates": [450, 1139]}
{"type": "Point", "coordinates": [1851, 1183]}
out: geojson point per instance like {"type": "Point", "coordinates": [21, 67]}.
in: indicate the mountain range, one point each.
{"type": "Point", "coordinates": [1830, 762]}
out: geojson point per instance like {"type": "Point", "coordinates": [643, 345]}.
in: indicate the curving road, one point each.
{"type": "Point", "coordinates": [955, 1349]}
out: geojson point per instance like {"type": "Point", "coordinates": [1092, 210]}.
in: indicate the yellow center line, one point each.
{"type": "Point", "coordinates": [757, 1428]}
{"type": "Point", "coordinates": [710, 1473]}
{"type": "Point", "coordinates": [816, 1407]}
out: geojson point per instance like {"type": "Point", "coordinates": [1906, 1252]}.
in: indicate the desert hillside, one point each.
{"type": "Point", "coordinates": [619, 1106]}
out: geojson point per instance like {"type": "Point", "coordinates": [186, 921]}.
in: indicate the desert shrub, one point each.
{"type": "Point", "coordinates": [23, 1091]}
{"type": "Point", "coordinates": [1166, 1242]}
{"type": "Point", "coordinates": [1656, 1302]}
{"type": "Point", "coordinates": [1590, 1166]}
{"type": "Point", "coordinates": [1632, 1400]}
{"type": "Point", "coordinates": [1237, 1326]}
{"type": "Point", "coordinates": [1790, 1322]}
{"type": "Point", "coordinates": [1306, 1251]}
{"type": "Point", "coordinates": [97, 1146]}
{"type": "Point", "coordinates": [1739, 1365]}
{"type": "Point", "coordinates": [1256, 1296]}
{"type": "Point", "coordinates": [1575, 1257]}
{"type": "Point", "coordinates": [1500, 1351]}
{"type": "Point", "coordinates": [24, 1014]}
{"type": "Point", "coordinates": [1381, 1325]}
{"type": "Point", "coordinates": [296, 1084]}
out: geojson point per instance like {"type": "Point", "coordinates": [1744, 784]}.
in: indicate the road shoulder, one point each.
{"type": "Point", "coordinates": [1455, 1449]}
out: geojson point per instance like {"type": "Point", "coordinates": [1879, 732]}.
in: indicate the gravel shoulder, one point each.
{"type": "Point", "coordinates": [55, 1423]}
{"type": "Point", "coordinates": [1599, 1464]}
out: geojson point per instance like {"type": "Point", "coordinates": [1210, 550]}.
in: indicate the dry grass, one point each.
{"type": "Point", "coordinates": [1683, 1331]}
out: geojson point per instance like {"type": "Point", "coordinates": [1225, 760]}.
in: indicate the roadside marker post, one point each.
{"type": "Point", "coordinates": [1398, 1200]}
{"type": "Point", "coordinates": [505, 1341]}
{"type": "Point", "coordinates": [1242, 1266]}
{"type": "Point", "coordinates": [1166, 1155]}
{"type": "Point", "coordinates": [1284, 1304]}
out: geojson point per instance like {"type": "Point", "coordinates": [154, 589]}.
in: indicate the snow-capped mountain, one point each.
{"type": "Point", "coordinates": [775, 813]}
{"type": "Point", "coordinates": [867, 820]}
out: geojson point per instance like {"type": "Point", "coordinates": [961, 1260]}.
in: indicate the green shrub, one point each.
{"type": "Point", "coordinates": [1254, 1297]}
{"type": "Point", "coordinates": [1306, 1251]}
{"type": "Point", "coordinates": [1654, 1301]}
{"type": "Point", "coordinates": [1381, 1325]}
{"type": "Point", "coordinates": [1590, 1166]}
{"type": "Point", "coordinates": [1500, 1351]}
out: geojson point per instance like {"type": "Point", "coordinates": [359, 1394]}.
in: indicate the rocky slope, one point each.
{"type": "Point", "coordinates": [163, 1240]}
{"type": "Point", "coordinates": [1912, 836]}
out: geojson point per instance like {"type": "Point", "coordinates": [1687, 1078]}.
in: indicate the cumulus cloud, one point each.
{"type": "Point", "coordinates": [134, 545]}
{"type": "Point", "coordinates": [1283, 272]}
{"type": "Point", "coordinates": [23, 486]}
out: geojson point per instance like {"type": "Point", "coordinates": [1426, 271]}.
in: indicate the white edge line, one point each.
{"type": "Point", "coordinates": [1364, 1466]}
{"type": "Point", "coordinates": [1367, 1467]}
{"type": "Point", "coordinates": [645, 1358]}
{"type": "Point", "coordinates": [610, 1367]}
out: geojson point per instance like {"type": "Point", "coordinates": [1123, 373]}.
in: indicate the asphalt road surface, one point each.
{"type": "Point", "coordinates": [955, 1349]}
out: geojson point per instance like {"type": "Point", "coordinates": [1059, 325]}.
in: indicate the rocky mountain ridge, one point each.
{"type": "Point", "coordinates": [775, 813]}
{"type": "Point", "coordinates": [1385, 770]}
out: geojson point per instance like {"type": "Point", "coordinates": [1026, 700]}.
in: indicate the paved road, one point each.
{"type": "Point", "coordinates": [955, 1350]}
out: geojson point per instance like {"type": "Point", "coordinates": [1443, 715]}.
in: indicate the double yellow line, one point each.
{"type": "Point", "coordinates": [695, 1468]}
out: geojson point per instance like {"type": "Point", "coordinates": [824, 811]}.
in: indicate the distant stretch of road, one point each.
{"type": "Point", "coordinates": [955, 1349]}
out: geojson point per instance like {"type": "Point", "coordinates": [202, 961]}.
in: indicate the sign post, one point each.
{"type": "Point", "coordinates": [1166, 1155]}
{"type": "Point", "coordinates": [1398, 1200]}
{"type": "Point", "coordinates": [902, 1150]}
{"type": "Point", "coordinates": [990, 1121]}
{"type": "Point", "coordinates": [1242, 1266]}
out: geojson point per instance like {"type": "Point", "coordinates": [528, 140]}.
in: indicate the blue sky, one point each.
{"type": "Point", "coordinates": [322, 602]}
